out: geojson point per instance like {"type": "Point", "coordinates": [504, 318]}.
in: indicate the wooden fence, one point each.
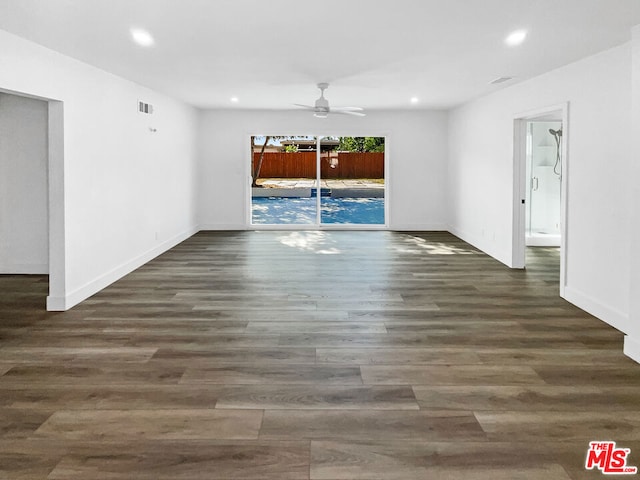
{"type": "Point", "coordinates": [303, 165]}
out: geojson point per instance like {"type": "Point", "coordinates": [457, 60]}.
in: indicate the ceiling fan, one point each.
{"type": "Point", "coordinates": [321, 109]}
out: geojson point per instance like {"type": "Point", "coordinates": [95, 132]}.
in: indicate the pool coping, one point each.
{"type": "Point", "coordinates": [306, 192]}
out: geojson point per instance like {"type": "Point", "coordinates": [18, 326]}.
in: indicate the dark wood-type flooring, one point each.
{"type": "Point", "coordinates": [313, 355]}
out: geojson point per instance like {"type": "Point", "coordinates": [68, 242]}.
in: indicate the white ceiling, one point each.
{"type": "Point", "coordinates": [376, 54]}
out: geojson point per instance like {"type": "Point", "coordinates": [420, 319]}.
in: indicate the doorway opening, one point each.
{"type": "Point", "coordinates": [306, 181]}
{"type": "Point", "coordinates": [540, 180]}
{"type": "Point", "coordinates": [24, 229]}
{"type": "Point", "coordinates": [32, 162]}
{"type": "Point", "coordinates": [543, 177]}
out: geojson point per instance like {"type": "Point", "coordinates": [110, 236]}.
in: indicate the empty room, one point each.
{"type": "Point", "coordinates": [319, 241]}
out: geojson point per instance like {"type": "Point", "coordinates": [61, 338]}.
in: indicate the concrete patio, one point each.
{"type": "Point", "coordinates": [303, 187]}
{"type": "Point", "coordinates": [324, 183]}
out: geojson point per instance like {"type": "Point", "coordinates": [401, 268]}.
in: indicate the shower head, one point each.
{"type": "Point", "coordinates": [556, 132]}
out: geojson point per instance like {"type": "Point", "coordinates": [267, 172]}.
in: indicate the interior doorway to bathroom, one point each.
{"type": "Point", "coordinates": [540, 179]}
{"type": "Point", "coordinates": [543, 176]}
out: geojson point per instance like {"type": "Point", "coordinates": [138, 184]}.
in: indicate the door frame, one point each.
{"type": "Point", "coordinates": [56, 298]}
{"type": "Point", "coordinates": [520, 185]}
{"type": "Point", "coordinates": [317, 225]}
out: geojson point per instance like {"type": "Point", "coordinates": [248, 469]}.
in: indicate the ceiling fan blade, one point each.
{"type": "Point", "coordinates": [322, 109]}
{"type": "Point", "coordinates": [349, 112]}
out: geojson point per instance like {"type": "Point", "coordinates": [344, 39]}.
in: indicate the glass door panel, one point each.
{"type": "Point", "coordinates": [284, 180]}
{"type": "Point", "coordinates": [352, 180]}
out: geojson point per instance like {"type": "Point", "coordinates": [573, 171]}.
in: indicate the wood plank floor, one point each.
{"type": "Point", "coordinates": [313, 355]}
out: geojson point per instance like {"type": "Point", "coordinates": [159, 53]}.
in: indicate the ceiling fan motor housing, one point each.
{"type": "Point", "coordinates": [322, 104]}
{"type": "Point", "coordinates": [321, 107]}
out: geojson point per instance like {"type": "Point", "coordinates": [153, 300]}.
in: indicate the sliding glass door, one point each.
{"type": "Point", "coordinates": [317, 181]}
{"type": "Point", "coordinates": [352, 174]}
{"type": "Point", "coordinates": [284, 180]}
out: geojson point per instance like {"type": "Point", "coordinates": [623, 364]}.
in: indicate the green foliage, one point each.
{"type": "Point", "coordinates": [374, 144]}
{"type": "Point", "coordinates": [361, 144]}
{"type": "Point", "coordinates": [351, 144]}
{"type": "Point", "coordinates": [291, 148]}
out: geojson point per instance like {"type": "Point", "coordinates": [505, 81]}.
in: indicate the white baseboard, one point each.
{"type": "Point", "coordinates": [462, 235]}
{"type": "Point", "coordinates": [479, 243]}
{"type": "Point", "coordinates": [632, 348]}
{"type": "Point", "coordinates": [543, 241]}
{"type": "Point", "coordinates": [24, 269]}
{"type": "Point", "coordinates": [224, 226]}
{"type": "Point", "coordinates": [418, 227]}
{"type": "Point", "coordinates": [606, 313]}
{"type": "Point", "coordinates": [94, 286]}
{"type": "Point", "coordinates": [57, 304]}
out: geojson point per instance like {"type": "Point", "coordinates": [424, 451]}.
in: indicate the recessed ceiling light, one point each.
{"type": "Point", "coordinates": [515, 38]}
{"type": "Point", "coordinates": [235, 99]}
{"type": "Point", "coordinates": [142, 37]}
{"type": "Point", "coordinates": [414, 100]}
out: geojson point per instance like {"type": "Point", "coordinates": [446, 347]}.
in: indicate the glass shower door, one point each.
{"type": "Point", "coordinates": [543, 173]}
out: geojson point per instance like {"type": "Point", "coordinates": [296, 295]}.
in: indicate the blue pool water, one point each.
{"type": "Point", "coordinates": [296, 211]}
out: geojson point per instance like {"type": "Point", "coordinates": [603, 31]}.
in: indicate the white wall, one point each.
{"type": "Point", "coordinates": [416, 152]}
{"type": "Point", "coordinates": [599, 174]}
{"type": "Point", "coordinates": [129, 194]}
{"type": "Point", "coordinates": [632, 342]}
{"type": "Point", "coordinates": [24, 227]}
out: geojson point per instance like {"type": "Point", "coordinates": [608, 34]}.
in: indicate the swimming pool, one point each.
{"type": "Point", "coordinates": [302, 211]}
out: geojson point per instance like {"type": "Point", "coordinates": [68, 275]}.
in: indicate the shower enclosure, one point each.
{"type": "Point", "coordinates": [544, 171]}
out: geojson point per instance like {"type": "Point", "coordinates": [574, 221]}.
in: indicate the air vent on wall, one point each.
{"type": "Point", "coordinates": [145, 107]}
{"type": "Point", "coordinates": [501, 80]}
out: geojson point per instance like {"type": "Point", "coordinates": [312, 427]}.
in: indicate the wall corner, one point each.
{"type": "Point", "coordinates": [632, 348]}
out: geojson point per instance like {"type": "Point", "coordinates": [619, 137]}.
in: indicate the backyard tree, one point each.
{"type": "Point", "coordinates": [361, 144]}
{"type": "Point", "coordinates": [255, 174]}
{"type": "Point", "coordinates": [351, 144]}
{"type": "Point", "coordinates": [374, 144]}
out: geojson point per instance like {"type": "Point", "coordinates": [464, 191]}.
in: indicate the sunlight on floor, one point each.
{"type": "Point", "coordinates": [420, 245]}
{"type": "Point", "coordinates": [317, 242]}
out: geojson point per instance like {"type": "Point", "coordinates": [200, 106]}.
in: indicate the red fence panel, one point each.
{"type": "Point", "coordinates": [354, 165]}
{"type": "Point", "coordinates": [303, 165]}
{"type": "Point", "coordinates": [286, 165]}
